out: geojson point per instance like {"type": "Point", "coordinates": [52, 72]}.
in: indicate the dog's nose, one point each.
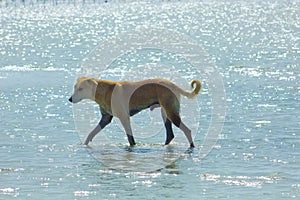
{"type": "Point", "coordinates": [70, 99]}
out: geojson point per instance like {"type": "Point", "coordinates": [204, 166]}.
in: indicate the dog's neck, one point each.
{"type": "Point", "coordinates": [103, 92]}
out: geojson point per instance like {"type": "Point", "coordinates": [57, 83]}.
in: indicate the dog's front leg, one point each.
{"type": "Point", "coordinates": [92, 134]}
{"type": "Point", "coordinates": [126, 124]}
{"type": "Point", "coordinates": [106, 119]}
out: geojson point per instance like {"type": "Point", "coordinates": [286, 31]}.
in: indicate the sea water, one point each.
{"type": "Point", "coordinates": [256, 49]}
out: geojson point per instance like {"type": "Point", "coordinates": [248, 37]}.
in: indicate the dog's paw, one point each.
{"type": "Point", "coordinates": [129, 148]}
{"type": "Point", "coordinates": [189, 150]}
{"type": "Point", "coordinates": [86, 142]}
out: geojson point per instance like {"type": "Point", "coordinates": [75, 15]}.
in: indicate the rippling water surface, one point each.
{"type": "Point", "coordinates": [255, 46]}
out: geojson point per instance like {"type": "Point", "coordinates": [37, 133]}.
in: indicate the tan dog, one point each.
{"type": "Point", "coordinates": [124, 99]}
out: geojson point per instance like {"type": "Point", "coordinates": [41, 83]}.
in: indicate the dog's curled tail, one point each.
{"type": "Point", "coordinates": [196, 89]}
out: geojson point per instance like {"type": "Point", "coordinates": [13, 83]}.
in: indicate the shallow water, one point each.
{"type": "Point", "coordinates": [255, 47]}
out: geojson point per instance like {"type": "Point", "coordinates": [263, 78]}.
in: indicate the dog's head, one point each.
{"type": "Point", "coordinates": [85, 88]}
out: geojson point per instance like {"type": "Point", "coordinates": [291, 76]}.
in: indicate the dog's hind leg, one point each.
{"type": "Point", "coordinates": [106, 119]}
{"type": "Point", "coordinates": [170, 134]}
{"type": "Point", "coordinates": [174, 117]}
{"type": "Point", "coordinates": [188, 134]}
{"type": "Point", "coordinates": [168, 126]}
{"type": "Point", "coordinates": [172, 112]}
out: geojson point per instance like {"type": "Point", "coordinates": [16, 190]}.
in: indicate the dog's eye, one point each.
{"type": "Point", "coordinates": [80, 89]}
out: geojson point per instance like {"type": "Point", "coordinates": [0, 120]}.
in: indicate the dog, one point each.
{"type": "Point", "coordinates": [124, 99]}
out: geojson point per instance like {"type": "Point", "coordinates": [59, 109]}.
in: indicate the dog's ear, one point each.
{"type": "Point", "coordinates": [92, 81]}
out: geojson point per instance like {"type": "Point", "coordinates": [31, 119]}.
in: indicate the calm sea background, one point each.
{"type": "Point", "coordinates": [256, 48]}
